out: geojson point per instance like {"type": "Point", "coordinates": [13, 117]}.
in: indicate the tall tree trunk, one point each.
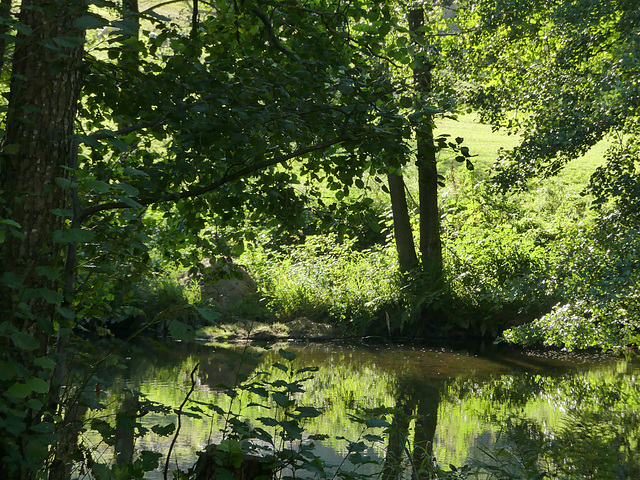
{"type": "Point", "coordinates": [38, 147]}
{"type": "Point", "coordinates": [405, 246]}
{"type": "Point", "coordinates": [430, 243]}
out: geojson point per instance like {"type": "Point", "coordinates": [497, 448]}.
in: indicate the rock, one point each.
{"type": "Point", "coordinates": [223, 283]}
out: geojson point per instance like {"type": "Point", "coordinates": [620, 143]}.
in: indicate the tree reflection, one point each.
{"type": "Point", "coordinates": [418, 400]}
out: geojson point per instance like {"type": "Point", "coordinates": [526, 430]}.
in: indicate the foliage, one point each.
{"type": "Point", "coordinates": [326, 279]}
{"type": "Point", "coordinates": [563, 77]}
{"type": "Point", "coordinates": [597, 277]}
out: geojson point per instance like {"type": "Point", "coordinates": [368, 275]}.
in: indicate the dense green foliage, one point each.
{"type": "Point", "coordinates": [264, 131]}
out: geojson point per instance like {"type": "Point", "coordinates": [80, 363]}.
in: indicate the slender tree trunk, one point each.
{"type": "Point", "coordinates": [405, 246]}
{"type": "Point", "coordinates": [430, 243]}
{"type": "Point", "coordinates": [130, 56]}
{"type": "Point", "coordinates": [195, 20]}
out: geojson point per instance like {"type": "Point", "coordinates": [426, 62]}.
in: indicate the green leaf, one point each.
{"type": "Point", "coordinates": [98, 186]}
{"type": "Point", "coordinates": [6, 221]}
{"type": "Point", "coordinates": [12, 280]}
{"type": "Point", "coordinates": [128, 189]}
{"type": "Point", "coordinates": [308, 412]}
{"type": "Point", "coordinates": [165, 430]}
{"type": "Point", "coordinates": [24, 341]}
{"type": "Point", "coordinates": [52, 273]}
{"type": "Point", "coordinates": [73, 235]}
{"type": "Point", "coordinates": [134, 172]}
{"type": "Point", "coordinates": [63, 183]}
{"type": "Point", "coordinates": [287, 355]}
{"type": "Point", "coordinates": [130, 202]}
{"type": "Point", "coordinates": [44, 362]}
{"type": "Point", "coordinates": [268, 421]}
{"type": "Point", "coordinates": [51, 296]}
{"type": "Point", "coordinates": [37, 385]}
{"type": "Point", "coordinates": [345, 88]}
{"type": "Point", "coordinates": [68, 41]}
{"type": "Point", "coordinates": [376, 423]}
{"type": "Point", "coordinates": [406, 102]}
{"type": "Point", "coordinates": [210, 315]}
{"type": "Point", "coordinates": [308, 369]}
{"type": "Point", "coordinates": [8, 370]}
{"type": "Point", "coordinates": [62, 212]}
{"type": "Point", "coordinates": [92, 142]}
{"type": "Point", "coordinates": [34, 404]}
{"type": "Point", "coordinates": [181, 331]}
{"type": "Point", "coordinates": [118, 144]}
{"type": "Point", "coordinates": [148, 460]}
{"type": "Point", "coordinates": [88, 22]}
{"type": "Point", "coordinates": [281, 399]}
{"type": "Point", "coordinates": [280, 366]}
{"type": "Point", "coordinates": [66, 313]}
{"type": "Point", "coordinates": [19, 390]}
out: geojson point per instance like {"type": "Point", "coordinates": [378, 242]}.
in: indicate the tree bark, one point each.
{"type": "Point", "coordinates": [403, 234]}
{"type": "Point", "coordinates": [398, 439]}
{"type": "Point", "coordinates": [430, 242]}
{"type": "Point", "coordinates": [38, 148]}
{"type": "Point", "coordinates": [44, 91]}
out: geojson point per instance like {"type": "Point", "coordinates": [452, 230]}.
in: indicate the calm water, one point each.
{"type": "Point", "coordinates": [575, 417]}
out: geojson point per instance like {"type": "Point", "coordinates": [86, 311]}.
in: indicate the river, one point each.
{"type": "Point", "coordinates": [520, 414]}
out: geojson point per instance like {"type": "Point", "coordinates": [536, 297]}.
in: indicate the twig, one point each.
{"type": "Point", "coordinates": [179, 412]}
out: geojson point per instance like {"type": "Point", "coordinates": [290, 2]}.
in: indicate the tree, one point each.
{"type": "Point", "coordinates": [430, 242]}
{"type": "Point", "coordinates": [201, 128]}
{"type": "Point", "coordinates": [565, 76]}
{"type": "Point", "coordinates": [38, 150]}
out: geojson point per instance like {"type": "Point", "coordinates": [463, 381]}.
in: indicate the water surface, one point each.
{"type": "Point", "coordinates": [557, 414]}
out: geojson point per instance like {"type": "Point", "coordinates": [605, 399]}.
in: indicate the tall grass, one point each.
{"type": "Point", "coordinates": [323, 279]}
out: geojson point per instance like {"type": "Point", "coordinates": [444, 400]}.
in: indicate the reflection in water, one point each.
{"type": "Point", "coordinates": [459, 409]}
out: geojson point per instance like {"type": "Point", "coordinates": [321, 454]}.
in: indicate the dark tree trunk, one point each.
{"type": "Point", "coordinates": [430, 243]}
{"type": "Point", "coordinates": [425, 432]}
{"type": "Point", "coordinates": [194, 20]}
{"type": "Point", "coordinates": [44, 91]}
{"type": "Point", "coordinates": [37, 150]}
{"type": "Point", "coordinates": [405, 246]}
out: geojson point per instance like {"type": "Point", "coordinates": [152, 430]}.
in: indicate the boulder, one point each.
{"type": "Point", "coordinates": [222, 282]}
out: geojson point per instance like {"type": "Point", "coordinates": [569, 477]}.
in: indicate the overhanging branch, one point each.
{"type": "Point", "coordinates": [204, 189]}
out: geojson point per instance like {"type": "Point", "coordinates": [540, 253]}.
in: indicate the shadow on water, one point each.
{"type": "Point", "coordinates": [513, 415]}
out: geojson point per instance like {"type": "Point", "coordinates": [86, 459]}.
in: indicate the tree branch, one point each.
{"type": "Point", "coordinates": [203, 189]}
{"type": "Point", "coordinates": [273, 39]}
